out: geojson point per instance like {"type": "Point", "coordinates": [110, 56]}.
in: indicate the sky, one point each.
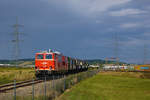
{"type": "Point", "coordinates": [84, 29]}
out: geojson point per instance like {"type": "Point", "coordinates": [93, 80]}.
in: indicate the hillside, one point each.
{"type": "Point", "coordinates": [99, 61]}
{"type": "Point", "coordinates": [31, 61]}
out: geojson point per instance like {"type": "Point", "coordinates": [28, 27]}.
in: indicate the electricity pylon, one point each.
{"type": "Point", "coordinates": [16, 40]}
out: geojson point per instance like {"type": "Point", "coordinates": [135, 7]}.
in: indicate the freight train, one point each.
{"type": "Point", "coordinates": [50, 62]}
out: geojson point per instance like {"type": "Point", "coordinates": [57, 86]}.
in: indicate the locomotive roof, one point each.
{"type": "Point", "coordinates": [44, 52]}
{"type": "Point", "coordinates": [50, 51]}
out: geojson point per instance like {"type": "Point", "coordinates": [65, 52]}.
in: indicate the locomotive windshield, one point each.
{"type": "Point", "coordinates": [40, 56]}
{"type": "Point", "coordinates": [48, 56]}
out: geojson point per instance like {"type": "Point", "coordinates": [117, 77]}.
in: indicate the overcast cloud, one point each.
{"type": "Point", "coordinates": [78, 28]}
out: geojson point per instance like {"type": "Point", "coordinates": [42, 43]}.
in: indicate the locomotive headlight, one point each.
{"type": "Point", "coordinates": [44, 63]}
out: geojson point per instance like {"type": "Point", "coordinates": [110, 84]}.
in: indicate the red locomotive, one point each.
{"type": "Point", "coordinates": [48, 63]}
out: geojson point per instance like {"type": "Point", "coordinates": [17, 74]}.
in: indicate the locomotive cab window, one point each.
{"type": "Point", "coordinates": [48, 56]}
{"type": "Point", "coordinates": [40, 56]}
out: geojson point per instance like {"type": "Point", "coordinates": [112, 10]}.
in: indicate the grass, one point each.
{"type": "Point", "coordinates": [111, 86]}
{"type": "Point", "coordinates": [9, 74]}
{"type": "Point", "coordinates": [24, 63]}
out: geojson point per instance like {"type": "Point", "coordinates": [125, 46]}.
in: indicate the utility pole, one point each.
{"type": "Point", "coordinates": [16, 40]}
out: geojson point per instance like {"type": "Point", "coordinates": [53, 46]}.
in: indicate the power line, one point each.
{"type": "Point", "coordinates": [16, 40]}
{"type": "Point", "coordinates": [116, 48]}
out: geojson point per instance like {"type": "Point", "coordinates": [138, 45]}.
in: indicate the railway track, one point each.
{"type": "Point", "coordinates": [11, 86]}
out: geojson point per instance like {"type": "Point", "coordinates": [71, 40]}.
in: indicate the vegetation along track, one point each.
{"type": "Point", "coordinates": [11, 86]}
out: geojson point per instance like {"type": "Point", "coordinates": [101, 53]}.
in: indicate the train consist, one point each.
{"type": "Point", "coordinates": [49, 63]}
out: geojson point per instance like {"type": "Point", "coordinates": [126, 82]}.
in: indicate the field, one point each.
{"type": "Point", "coordinates": [9, 74]}
{"type": "Point", "coordinates": [111, 86]}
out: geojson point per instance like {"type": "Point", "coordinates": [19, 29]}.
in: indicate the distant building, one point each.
{"type": "Point", "coordinates": [5, 65]}
{"type": "Point", "coordinates": [117, 67]}
{"type": "Point", "coordinates": [94, 66]}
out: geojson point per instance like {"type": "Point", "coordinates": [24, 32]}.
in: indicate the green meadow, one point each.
{"type": "Point", "coordinates": [9, 74]}
{"type": "Point", "coordinates": [111, 86]}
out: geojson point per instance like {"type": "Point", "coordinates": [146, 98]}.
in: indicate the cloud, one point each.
{"type": "Point", "coordinates": [147, 34]}
{"type": "Point", "coordinates": [127, 12]}
{"type": "Point", "coordinates": [98, 21]}
{"type": "Point", "coordinates": [133, 42]}
{"type": "Point", "coordinates": [130, 25]}
{"type": "Point", "coordinates": [95, 42]}
{"type": "Point", "coordinates": [90, 7]}
{"type": "Point", "coordinates": [86, 24]}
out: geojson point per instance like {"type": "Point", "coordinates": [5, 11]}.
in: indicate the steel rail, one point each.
{"type": "Point", "coordinates": [7, 87]}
